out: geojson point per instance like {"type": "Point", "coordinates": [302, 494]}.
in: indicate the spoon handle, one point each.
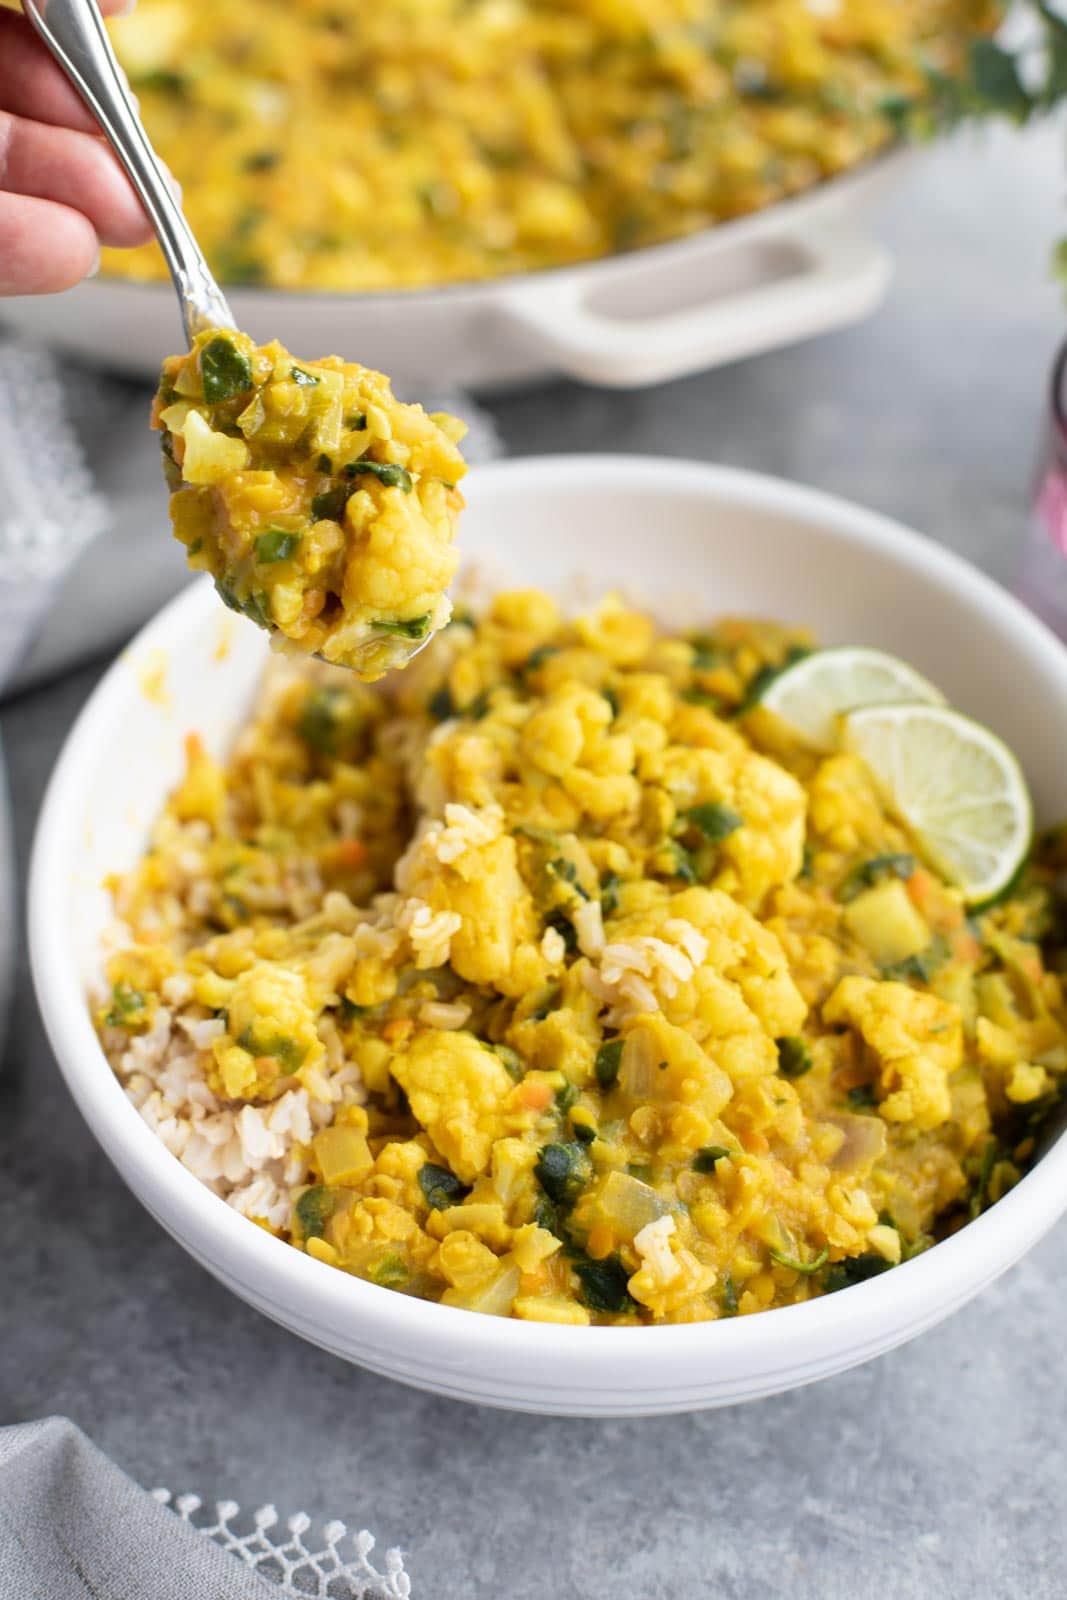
{"type": "Point", "coordinates": [73, 31]}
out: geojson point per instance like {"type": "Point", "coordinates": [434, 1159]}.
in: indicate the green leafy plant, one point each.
{"type": "Point", "coordinates": [1020, 79]}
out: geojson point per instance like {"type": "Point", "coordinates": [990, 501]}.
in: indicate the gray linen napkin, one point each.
{"type": "Point", "coordinates": [74, 1527]}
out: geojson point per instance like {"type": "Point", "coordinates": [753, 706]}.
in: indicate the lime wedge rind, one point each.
{"type": "Point", "coordinates": [980, 844]}
{"type": "Point", "coordinates": [811, 694]}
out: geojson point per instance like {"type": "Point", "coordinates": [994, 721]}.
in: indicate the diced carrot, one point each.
{"type": "Point", "coordinates": [398, 1029]}
{"type": "Point", "coordinates": [919, 886]}
{"type": "Point", "coordinates": [965, 947]}
{"type": "Point", "coordinates": [345, 853]}
{"type": "Point", "coordinates": [194, 747]}
{"type": "Point", "coordinates": [755, 1142]}
{"type": "Point", "coordinates": [535, 1094]}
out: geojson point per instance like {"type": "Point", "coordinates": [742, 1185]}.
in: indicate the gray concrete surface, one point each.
{"type": "Point", "coordinates": [939, 1470]}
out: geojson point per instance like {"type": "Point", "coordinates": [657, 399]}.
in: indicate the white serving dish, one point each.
{"type": "Point", "coordinates": [796, 269]}
{"type": "Point", "coordinates": [727, 541]}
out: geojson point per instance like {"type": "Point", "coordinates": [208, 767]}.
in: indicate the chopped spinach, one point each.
{"type": "Point", "coordinates": [127, 1007]}
{"type": "Point", "coordinates": [863, 1097]}
{"type": "Point", "coordinates": [568, 872]}
{"type": "Point", "coordinates": [224, 370]}
{"type": "Point", "coordinates": [855, 1269]}
{"type": "Point", "coordinates": [329, 506]}
{"type": "Point", "coordinates": [254, 607]}
{"type": "Point", "coordinates": [794, 1056]}
{"type": "Point", "coordinates": [276, 545]}
{"type": "Point", "coordinates": [609, 894]}
{"type": "Point", "coordinates": [684, 865]}
{"type": "Point", "coordinates": [164, 79]}
{"type": "Point", "coordinates": [920, 966]}
{"type": "Point", "coordinates": [980, 1192]}
{"type": "Point", "coordinates": [388, 473]}
{"type": "Point", "coordinates": [608, 1059]}
{"type": "Point", "coordinates": [440, 1187]}
{"type": "Point", "coordinates": [701, 697]}
{"type": "Point", "coordinates": [729, 1296]}
{"type": "Point", "coordinates": [876, 870]}
{"type": "Point", "coordinates": [313, 1210]}
{"type": "Point", "coordinates": [604, 1284]}
{"type": "Point", "coordinates": [562, 925]}
{"type": "Point", "coordinates": [716, 822]}
{"type": "Point", "coordinates": [306, 380]}
{"type": "Point", "coordinates": [706, 653]}
{"type": "Point", "coordinates": [761, 680]}
{"type": "Point", "coordinates": [548, 1002]}
{"type": "Point", "coordinates": [441, 705]}
{"type": "Point", "coordinates": [278, 1046]}
{"type": "Point", "coordinates": [513, 1062]}
{"type": "Point", "coordinates": [538, 657]}
{"type": "Point", "coordinates": [707, 1159]}
{"type": "Point", "coordinates": [407, 627]}
{"type": "Point", "coordinates": [563, 1170]}
{"type": "Point", "coordinates": [805, 1268]}
{"type": "Point", "coordinates": [329, 719]}
{"type": "Point", "coordinates": [565, 1097]}
{"type": "Point", "coordinates": [356, 420]}
{"type": "Point", "coordinates": [390, 1272]}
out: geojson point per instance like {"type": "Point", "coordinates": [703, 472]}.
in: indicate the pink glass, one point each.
{"type": "Point", "coordinates": [1042, 577]}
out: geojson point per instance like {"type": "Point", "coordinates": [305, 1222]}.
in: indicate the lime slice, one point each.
{"type": "Point", "coordinates": [812, 693]}
{"type": "Point", "coordinates": [955, 785]}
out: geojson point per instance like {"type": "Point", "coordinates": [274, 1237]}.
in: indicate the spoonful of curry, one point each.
{"type": "Point", "coordinates": [323, 507]}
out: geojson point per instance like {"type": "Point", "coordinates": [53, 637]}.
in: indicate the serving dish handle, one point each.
{"type": "Point", "coordinates": [654, 321]}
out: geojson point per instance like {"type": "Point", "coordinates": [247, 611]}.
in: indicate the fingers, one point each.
{"type": "Point", "coordinates": [31, 84]}
{"type": "Point", "coordinates": [75, 170]}
{"type": "Point", "coordinates": [43, 247]}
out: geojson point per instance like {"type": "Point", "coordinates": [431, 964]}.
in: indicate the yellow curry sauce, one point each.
{"type": "Point", "coordinates": [330, 144]}
{"type": "Point", "coordinates": [608, 1003]}
{"type": "Point", "coordinates": [323, 508]}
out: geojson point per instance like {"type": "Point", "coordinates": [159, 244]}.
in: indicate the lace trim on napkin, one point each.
{"type": "Point", "coordinates": [280, 1552]}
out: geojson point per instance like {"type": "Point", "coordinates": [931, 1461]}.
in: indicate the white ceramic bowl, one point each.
{"type": "Point", "coordinates": [723, 541]}
{"type": "Point", "coordinates": [798, 268]}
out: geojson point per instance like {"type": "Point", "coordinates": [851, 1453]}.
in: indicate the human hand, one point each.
{"type": "Point", "coordinates": [62, 192]}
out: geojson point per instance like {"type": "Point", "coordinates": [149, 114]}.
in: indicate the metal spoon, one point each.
{"type": "Point", "coordinates": [73, 32]}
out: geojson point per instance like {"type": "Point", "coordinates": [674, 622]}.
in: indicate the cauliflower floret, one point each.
{"type": "Point", "coordinates": [916, 1039]}
{"type": "Point", "coordinates": [653, 1245]}
{"type": "Point", "coordinates": [670, 1283]}
{"type": "Point", "coordinates": [845, 811]}
{"type": "Point", "coordinates": [457, 1089]}
{"type": "Point", "coordinates": [270, 1033]}
{"type": "Point", "coordinates": [747, 954]}
{"type": "Point", "coordinates": [497, 942]}
{"type": "Point", "coordinates": [768, 848]}
{"type": "Point", "coordinates": [402, 557]}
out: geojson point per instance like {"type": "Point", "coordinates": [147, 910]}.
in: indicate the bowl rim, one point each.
{"type": "Point", "coordinates": [930, 1285]}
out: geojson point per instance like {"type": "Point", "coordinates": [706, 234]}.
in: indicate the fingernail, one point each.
{"type": "Point", "coordinates": [174, 185]}
{"type": "Point", "coordinates": [95, 268]}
